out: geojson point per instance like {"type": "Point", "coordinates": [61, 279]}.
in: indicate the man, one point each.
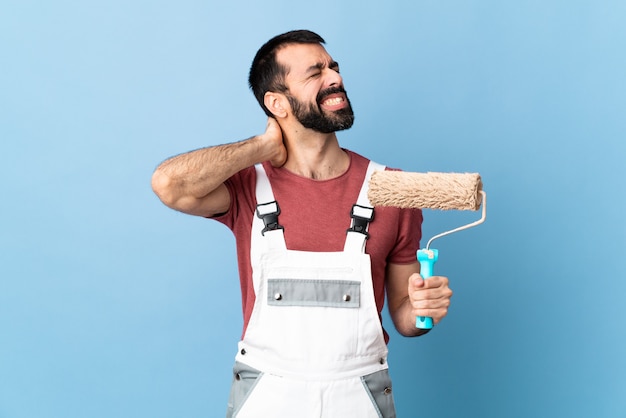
{"type": "Point", "coordinates": [314, 262]}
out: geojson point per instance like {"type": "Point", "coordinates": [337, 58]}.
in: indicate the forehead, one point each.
{"type": "Point", "coordinates": [298, 58]}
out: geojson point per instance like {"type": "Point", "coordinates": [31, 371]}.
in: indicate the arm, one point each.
{"type": "Point", "coordinates": [193, 182]}
{"type": "Point", "coordinates": [409, 296]}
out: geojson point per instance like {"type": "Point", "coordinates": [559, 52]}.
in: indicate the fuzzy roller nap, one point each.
{"type": "Point", "coordinates": [443, 191]}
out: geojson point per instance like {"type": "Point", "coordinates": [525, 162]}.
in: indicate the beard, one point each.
{"type": "Point", "coordinates": [312, 116]}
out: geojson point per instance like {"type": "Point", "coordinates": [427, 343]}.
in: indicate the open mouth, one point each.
{"type": "Point", "coordinates": [334, 101]}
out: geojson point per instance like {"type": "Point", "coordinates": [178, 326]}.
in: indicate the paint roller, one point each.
{"type": "Point", "coordinates": [442, 191]}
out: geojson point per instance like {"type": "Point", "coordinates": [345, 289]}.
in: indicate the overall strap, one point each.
{"type": "Point", "coordinates": [267, 210]}
{"type": "Point", "coordinates": [362, 214]}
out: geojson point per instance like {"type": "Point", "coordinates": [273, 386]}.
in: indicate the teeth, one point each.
{"type": "Point", "coordinates": [334, 101]}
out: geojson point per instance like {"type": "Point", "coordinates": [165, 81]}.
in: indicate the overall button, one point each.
{"type": "Point", "coordinates": [387, 390]}
{"type": "Point", "coordinates": [346, 298]}
{"type": "Point", "coordinates": [278, 296]}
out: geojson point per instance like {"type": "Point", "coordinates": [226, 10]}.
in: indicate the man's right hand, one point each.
{"type": "Point", "coordinates": [273, 137]}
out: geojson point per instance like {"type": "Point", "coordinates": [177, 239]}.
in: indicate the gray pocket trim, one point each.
{"type": "Point", "coordinates": [309, 292]}
{"type": "Point", "coordinates": [245, 379]}
{"type": "Point", "coordinates": [378, 387]}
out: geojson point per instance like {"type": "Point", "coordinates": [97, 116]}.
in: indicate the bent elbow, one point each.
{"type": "Point", "coordinates": [162, 186]}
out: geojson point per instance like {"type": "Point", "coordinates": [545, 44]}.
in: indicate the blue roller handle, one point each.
{"type": "Point", "coordinates": [427, 259]}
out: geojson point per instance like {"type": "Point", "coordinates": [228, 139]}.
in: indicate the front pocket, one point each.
{"type": "Point", "coordinates": [378, 387]}
{"type": "Point", "coordinates": [245, 378]}
{"type": "Point", "coordinates": [307, 292]}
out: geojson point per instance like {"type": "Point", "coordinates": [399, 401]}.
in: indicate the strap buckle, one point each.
{"type": "Point", "coordinates": [361, 217]}
{"type": "Point", "coordinates": [269, 213]}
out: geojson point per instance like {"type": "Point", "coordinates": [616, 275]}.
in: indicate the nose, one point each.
{"type": "Point", "coordinates": [333, 78]}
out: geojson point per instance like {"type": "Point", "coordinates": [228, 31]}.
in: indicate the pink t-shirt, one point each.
{"type": "Point", "coordinates": [316, 215]}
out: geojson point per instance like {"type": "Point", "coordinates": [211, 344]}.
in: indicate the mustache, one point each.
{"type": "Point", "coordinates": [331, 90]}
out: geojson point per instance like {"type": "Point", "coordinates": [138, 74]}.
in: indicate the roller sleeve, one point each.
{"type": "Point", "coordinates": [442, 191]}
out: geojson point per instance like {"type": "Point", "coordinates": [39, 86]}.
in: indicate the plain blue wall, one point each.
{"type": "Point", "coordinates": [112, 305]}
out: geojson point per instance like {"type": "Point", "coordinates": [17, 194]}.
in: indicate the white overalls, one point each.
{"type": "Point", "coordinates": [314, 346]}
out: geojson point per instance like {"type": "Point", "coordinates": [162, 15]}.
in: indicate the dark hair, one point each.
{"type": "Point", "coordinates": [266, 74]}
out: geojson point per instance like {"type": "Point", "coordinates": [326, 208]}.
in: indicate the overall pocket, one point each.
{"type": "Point", "coordinates": [245, 378]}
{"type": "Point", "coordinates": [378, 387]}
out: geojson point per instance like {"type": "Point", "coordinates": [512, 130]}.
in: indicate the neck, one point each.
{"type": "Point", "coordinates": [315, 155]}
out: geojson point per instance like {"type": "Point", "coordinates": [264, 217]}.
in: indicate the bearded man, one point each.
{"type": "Point", "coordinates": [315, 264]}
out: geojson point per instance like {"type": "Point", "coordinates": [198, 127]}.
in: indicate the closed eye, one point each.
{"type": "Point", "coordinates": [315, 71]}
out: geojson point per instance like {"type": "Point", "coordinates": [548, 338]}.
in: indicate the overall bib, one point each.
{"type": "Point", "coordinates": [314, 345]}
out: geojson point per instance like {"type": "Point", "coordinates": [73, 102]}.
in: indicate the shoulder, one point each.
{"type": "Point", "coordinates": [241, 187]}
{"type": "Point", "coordinates": [359, 161]}
{"type": "Point", "coordinates": [242, 183]}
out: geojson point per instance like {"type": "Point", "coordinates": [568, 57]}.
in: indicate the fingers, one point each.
{"type": "Point", "coordinates": [430, 297]}
{"type": "Point", "coordinates": [272, 123]}
{"type": "Point", "coordinates": [274, 135]}
{"type": "Point", "coordinates": [416, 282]}
{"type": "Point", "coordinates": [435, 282]}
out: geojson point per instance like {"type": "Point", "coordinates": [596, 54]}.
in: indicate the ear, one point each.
{"type": "Point", "coordinates": [277, 103]}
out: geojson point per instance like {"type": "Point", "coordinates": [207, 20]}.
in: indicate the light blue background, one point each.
{"type": "Point", "coordinates": [112, 305]}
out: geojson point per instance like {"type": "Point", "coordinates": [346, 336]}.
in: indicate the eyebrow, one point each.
{"type": "Point", "coordinates": [319, 66]}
